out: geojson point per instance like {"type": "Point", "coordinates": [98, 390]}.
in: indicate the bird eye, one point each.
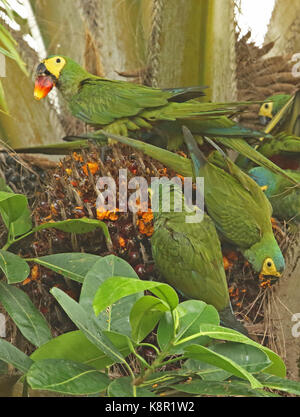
{"type": "Point", "coordinates": [269, 264]}
{"type": "Point", "coordinates": [58, 60]}
{"type": "Point", "coordinates": [266, 106]}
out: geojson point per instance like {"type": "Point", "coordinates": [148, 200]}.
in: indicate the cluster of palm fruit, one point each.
{"type": "Point", "coordinates": [187, 256]}
{"type": "Point", "coordinates": [23, 175]}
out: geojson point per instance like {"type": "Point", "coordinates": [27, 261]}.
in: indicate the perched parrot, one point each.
{"type": "Point", "coordinates": [281, 113]}
{"type": "Point", "coordinates": [120, 107]}
{"type": "Point", "coordinates": [283, 150]}
{"type": "Point", "coordinates": [189, 257]}
{"type": "Point", "coordinates": [239, 209]}
{"type": "Point", "coordinates": [284, 197]}
{"type": "Point", "coordinates": [271, 106]}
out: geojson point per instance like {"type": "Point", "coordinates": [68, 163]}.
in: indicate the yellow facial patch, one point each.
{"type": "Point", "coordinates": [269, 268]}
{"type": "Point", "coordinates": [266, 110]}
{"type": "Point", "coordinates": [55, 65]}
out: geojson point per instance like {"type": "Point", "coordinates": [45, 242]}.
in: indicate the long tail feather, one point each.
{"type": "Point", "coordinates": [214, 145]}
{"type": "Point", "coordinates": [196, 155]}
{"type": "Point", "coordinates": [183, 94]}
{"type": "Point", "coordinates": [228, 319]}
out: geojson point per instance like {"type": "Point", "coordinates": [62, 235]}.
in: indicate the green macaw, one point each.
{"type": "Point", "coordinates": [271, 106]}
{"type": "Point", "coordinates": [283, 150]}
{"type": "Point", "coordinates": [188, 255]}
{"type": "Point", "coordinates": [284, 116]}
{"type": "Point", "coordinates": [239, 209]}
{"type": "Point", "coordinates": [285, 199]}
{"type": "Point", "coordinates": [281, 113]}
{"type": "Point", "coordinates": [120, 107]}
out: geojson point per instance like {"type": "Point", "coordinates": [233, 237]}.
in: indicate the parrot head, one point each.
{"type": "Point", "coordinates": [266, 257]}
{"type": "Point", "coordinates": [264, 178]}
{"type": "Point", "coordinates": [57, 71]}
{"type": "Point", "coordinates": [271, 106]}
{"type": "Point", "coordinates": [269, 269]}
{"type": "Point", "coordinates": [47, 75]}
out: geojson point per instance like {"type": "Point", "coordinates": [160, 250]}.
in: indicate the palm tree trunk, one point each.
{"type": "Point", "coordinates": [194, 45]}
{"type": "Point", "coordinates": [284, 28]}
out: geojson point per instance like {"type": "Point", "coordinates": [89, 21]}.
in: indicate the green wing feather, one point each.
{"type": "Point", "coordinates": [244, 213]}
{"type": "Point", "coordinates": [100, 101]}
{"type": "Point", "coordinates": [283, 144]}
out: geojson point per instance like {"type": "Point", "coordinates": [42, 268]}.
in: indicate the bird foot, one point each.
{"type": "Point", "coordinates": [112, 142]}
{"type": "Point", "coordinates": [276, 227]}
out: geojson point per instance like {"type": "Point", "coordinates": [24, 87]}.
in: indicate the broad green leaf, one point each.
{"type": "Point", "coordinates": [277, 366]}
{"type": "Point", "coordinates": [281, 384]}
{"type": "Point", "coordinates": [67, 377]}
{"type": "Point", "coordinates": [216, 388]}
{"type": "Point", "coordinates": [191, 315]}
{"type": "Point", "coordinates": [14, 267]}
{"type": "Point", "coordinates": [71, 265]}
{"type": "Point", "coordinates": [116, 288]}
{"type": "Point", "coordinates": [165, 331]}
{"type": "Point", "coordinates": [145, 315]}
{"type": "Point", "coordinates": [116, 317]}
{"type": "Point", "coordinates": [12, 206]}
{"type": "Point", "coordinates": [205, 370]}
{"type": "Point", "coordinates": [122, 387]}
{"type": "Point", "coordinates": [13, 356]}
{"type": "Point", "coordinates": [3, 368]}
{"type": "Point", "coordinates": [22, 225]}
{"type": "Point", "coordinates": [204, 354]}
{"type": "Point", "coordinates": [76, 347]}
{"type": "Point", "coordinates": [26, 316]}
{"type": "Point", "coordinates": [78, 226]}
{"type": "Point", "coordinates": [87, 323]}
{"type": "Point", "coordinates": [249, 357]}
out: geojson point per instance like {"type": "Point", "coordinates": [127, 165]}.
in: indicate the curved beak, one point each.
{"type": "Point", "coordinates": [264, 120]}
{"type": "Point", "coordinates": [44, 82]}
{"type": "Point", "coordinates": [268, 280]}
{"type": "Point", "coordinates": [42, 70]}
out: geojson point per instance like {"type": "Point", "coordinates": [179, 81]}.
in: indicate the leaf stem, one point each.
{"type": "Point", "coordinates": [139, 357]}
{"type": "Point", "coordinates": [12, 241]}
{"type": "Point", "coordinates": [150, 345]}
